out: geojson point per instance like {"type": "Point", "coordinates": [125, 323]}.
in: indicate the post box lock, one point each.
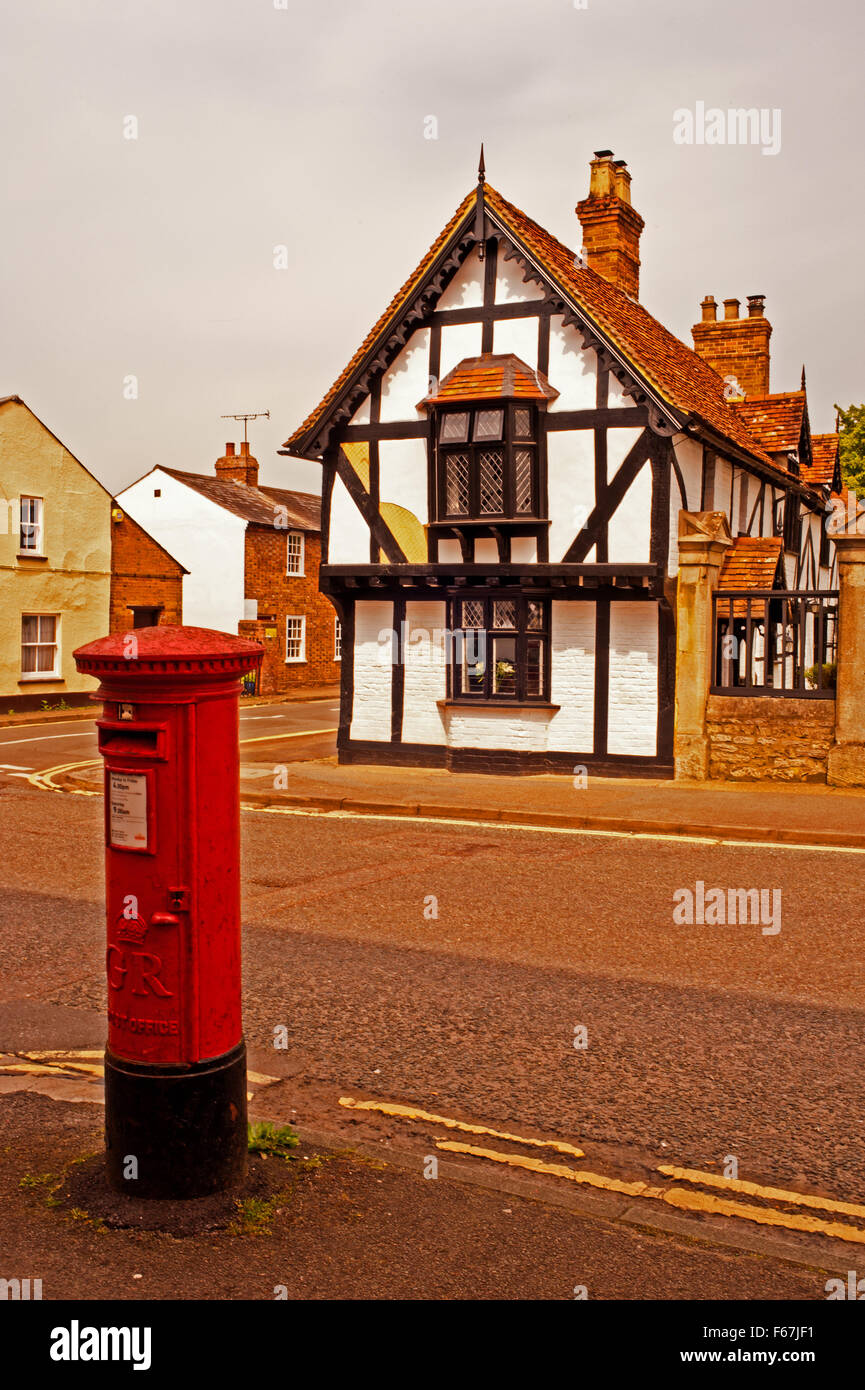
{"type": "Point", "coordinates": [178, 901]}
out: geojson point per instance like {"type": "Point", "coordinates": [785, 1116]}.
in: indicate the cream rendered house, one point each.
{"type": "Point", "coordinates": [55, 561]}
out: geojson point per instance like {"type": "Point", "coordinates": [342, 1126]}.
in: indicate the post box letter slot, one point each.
{"type": "Point", "coordinates": [132, 741]}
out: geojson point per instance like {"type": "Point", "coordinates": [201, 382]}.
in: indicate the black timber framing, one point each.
{"type": "Point", "coordinates": [328, 474]}
{"type": "Point", "coordinates": [602, 676]}
{"type": "Point", "coordinates": [666, 681]}
{"type": "Point", "coordinates": [374, 488]}
{"type": "Point", "coordinates": [504, 762]}
{"type": "Point", "coordinates": [661, 455]}
{"type": "Point", "coordinates": [345, 609]}
{"type": "Point", "coordinates": [397, 682]}
{"type": "Point", "coordinates": [380, 536]}
{"type": "Point", "coordinates": [490, 266]}
{"type": "Point", "coordinates": [608, 498]}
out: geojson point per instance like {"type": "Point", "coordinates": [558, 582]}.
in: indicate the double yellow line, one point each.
{"type": "Point", "coordinates": [679, 1197]}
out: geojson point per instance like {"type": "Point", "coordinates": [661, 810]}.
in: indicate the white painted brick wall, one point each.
{"type": "Point", "coordinates": [633, 707]}
{"type": "Point", "coordinates": [573, 677]}
{"type": "Point", "coordinates": [373, 672]}
{"type": "Point", "coordinates": [523, 729]}
{"type": "Point", "coordinates": [425, 673]}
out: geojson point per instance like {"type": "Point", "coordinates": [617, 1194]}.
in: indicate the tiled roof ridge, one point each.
{"type": "Point", "coordinates": [680, 377]}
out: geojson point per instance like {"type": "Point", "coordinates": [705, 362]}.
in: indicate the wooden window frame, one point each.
{"type": "Point", "coordinates": [38, 524]}
{"type": "Point", "coordinates": [509, 445]}
{"type": "Point", "coordinates": [301, 555]}
{"type": "Point", "coordinates": [523, 634]}
{"type": "Point", "coordinates": [56, 671]}
{"type": "Point", "coordinates": [296, 618]}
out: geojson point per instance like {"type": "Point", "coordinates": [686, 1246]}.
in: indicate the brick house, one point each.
{"type": "Point", "coordinates": [146, 582]}
{"type": "Point", "coordinates": [251, 555]}
{"type": "Point", "coordinates": [505, 461]}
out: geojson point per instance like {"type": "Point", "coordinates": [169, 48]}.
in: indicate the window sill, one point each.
{"type": "Point", "coordinates": [31, 555]}
{"type": "Point", "coordinates": [498, 704]}
{"type": "Point", "coordinates": [41, 679]}
{"type": "Point", "coordinates": [295, 661]}
{"type": "Point", "coordinates": [295, 574]}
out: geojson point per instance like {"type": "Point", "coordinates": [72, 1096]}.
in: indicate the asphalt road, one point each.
{"type": "Point", "coordinates": [703, 1041]}
{"type": "Point", "coordinates": [26, 748]}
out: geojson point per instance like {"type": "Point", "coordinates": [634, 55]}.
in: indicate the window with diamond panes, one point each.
{"type": "Point", "coordinates": [501, 649]}
{"type": "Point", "coordinates": [488, 463]}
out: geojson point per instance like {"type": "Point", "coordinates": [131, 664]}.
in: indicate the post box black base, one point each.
{"type": "Point", "coordinates": [185, 1127]}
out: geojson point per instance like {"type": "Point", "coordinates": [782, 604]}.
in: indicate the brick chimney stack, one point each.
{"type": "Point", "coordinates": [242, 467]}
{"type": "Point", "coordinates": [611, 226]}
{"type": "Point", "coordinates": [736, 347]}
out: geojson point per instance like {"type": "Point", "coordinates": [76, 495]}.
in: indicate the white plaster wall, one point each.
{"type": "Point", "coordinates": [208, 540]}
{"type": "Point", "coordinates": [723, 486]}
{"type": "Point", "coordinates": [425, 673]}
{"type": "Point", "coordinates": [522, 729]}
{"type": "Point", "coordinates": [633, 701]}
{"type": "Point", "coordinates": [466, 289]}
{"type": "Point", "coordinates": [519, 336]}
{"type": "Point", "coordinates": [573, 677]}
{"type": "Point", "coordinates": [450, 553]}
{"type": "Point", "coordinates": [630, 527]}
{"type": "Point", "coordinates": [524, 550]}
{"type": "Point", "coordinates": [486, 551]}
{"type": "Point", "coordinates": [511, 288]}
{"type": "Point", "coordinates": [349, 533]}
{"type": "Point", "coordinates": [573, 368]}
{"type": "Point", "coordinates": [407, 380]}
{"type": "Point", "coordinates": [689, 456]}
{"type": "Point", "coordinates": [373, 671]}
{"type": "Point", "coordinates": [361, 415]}
{"type": "Point", "coordinates": [790, 570]}
{"type": "Point", "coordinates": [616, 396]}
{"type": "Point", "coordinates": [403, 474]}
{"type": "Point", "coordinates": [571, 486]}
{"type": "Point", "coordinates": [459, 340]}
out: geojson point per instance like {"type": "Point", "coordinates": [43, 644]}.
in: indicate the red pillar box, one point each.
{"type": "Point", "coordinates": [175, 1065]}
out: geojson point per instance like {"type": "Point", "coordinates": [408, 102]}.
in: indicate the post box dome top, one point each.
{"type": "Point", "coordinates": [169, 650]}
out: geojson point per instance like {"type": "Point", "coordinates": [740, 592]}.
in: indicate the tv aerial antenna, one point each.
{"type": "Point", "coordinates": [258, 415]}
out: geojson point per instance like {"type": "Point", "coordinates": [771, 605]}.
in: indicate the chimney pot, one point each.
{"type": "Point", "coordinates": [244, 448]}
{"type": "Point", "coordinates": [229, 451]}
{"type": "Point", "coordinates": [611, 226]}
{"type": "Point", "coordinates": [736, 347]}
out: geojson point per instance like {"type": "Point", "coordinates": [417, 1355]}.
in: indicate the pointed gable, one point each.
{"type": "Point", "coordinates": [652, 362]}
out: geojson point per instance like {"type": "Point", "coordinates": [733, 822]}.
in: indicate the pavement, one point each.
{"type": "Point", "coordinates": [723, 811]}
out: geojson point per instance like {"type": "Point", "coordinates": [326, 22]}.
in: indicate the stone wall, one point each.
{"type": "Point", "coordinates": [766, 738]}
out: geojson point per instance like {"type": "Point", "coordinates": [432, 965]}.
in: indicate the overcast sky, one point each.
{"type": "Point", "coordinates": [305, 126]}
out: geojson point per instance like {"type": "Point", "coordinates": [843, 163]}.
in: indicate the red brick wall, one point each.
{"type": "Point", "coordinates": [280, 594]}
{"type": "Point", "coordinates": [142, 573]}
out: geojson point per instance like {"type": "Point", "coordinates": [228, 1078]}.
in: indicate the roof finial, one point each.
{"type": "Point", "coordinates": [802, 387]}
{"type": "Point", "coordinates": [482, 168]}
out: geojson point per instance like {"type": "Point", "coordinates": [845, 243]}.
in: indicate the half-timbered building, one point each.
{"type": "Point", "coordinates": [505, 459]}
